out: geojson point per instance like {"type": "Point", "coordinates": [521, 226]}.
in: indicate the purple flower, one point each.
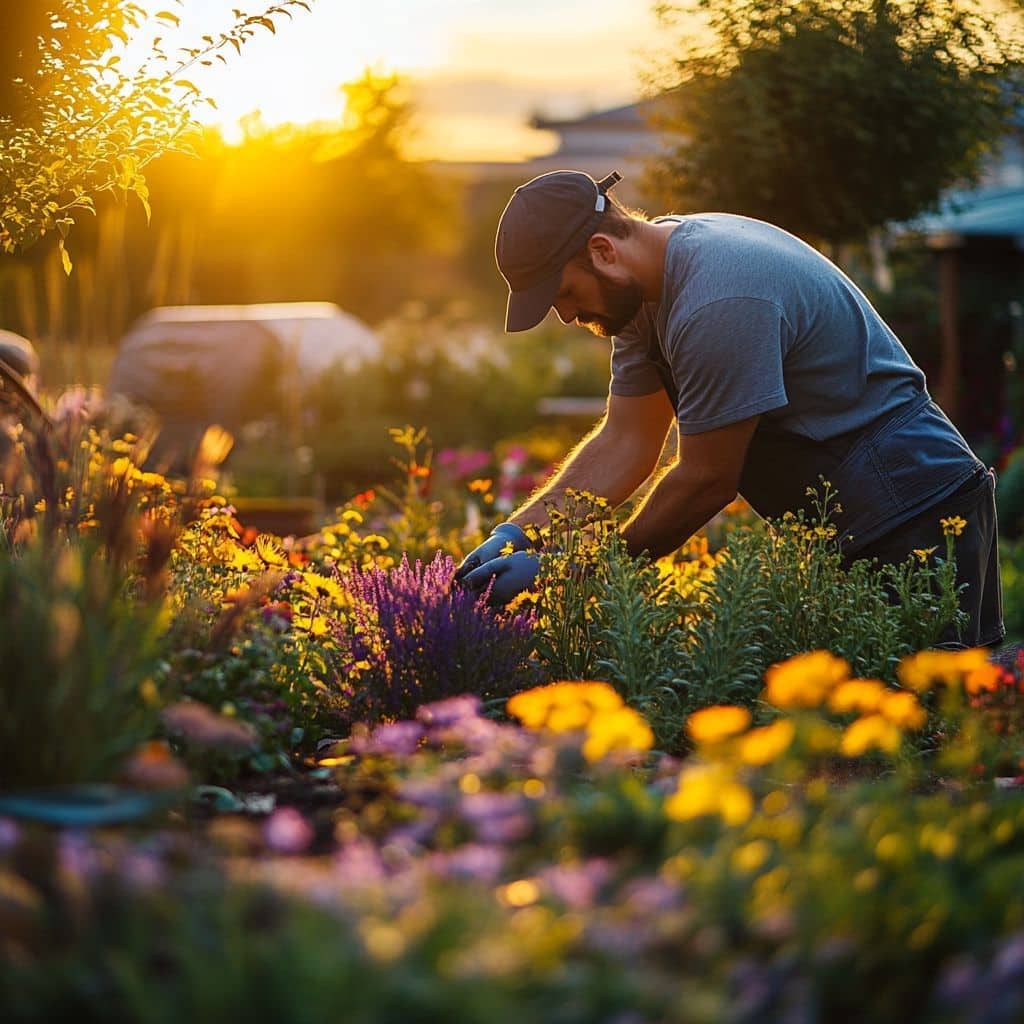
{"type": "Point", "coordinates": [496, 817]}
{"type": "Point", "coordinates": [432, 793]}
{"type": "Point", "coordinates": [287, 831]}
{"type": "Point", "coordinates": [473, 862]}
{"type": "Point", "coordinates": [395, 739]}
{"type": "Point", "coordinates": [77, 856]}
{"type": "Point", "coordinates": [143, 870]}
{"type": "Point", "coordinates": [450, 711]}
{"type": "Point", "coordinates": [9, 833]}
{"type": "Point", "coordinates": [1010, 959]}
{"type": "Point", "coordinates": [577, 885]}
{"type": "Point", "coordinates": [358, 864]}
{"type": "Point", "coordinates": [425, 639]}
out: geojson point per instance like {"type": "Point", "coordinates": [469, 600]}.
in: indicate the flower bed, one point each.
{"type": "Point", "coordinates": [735, 785]}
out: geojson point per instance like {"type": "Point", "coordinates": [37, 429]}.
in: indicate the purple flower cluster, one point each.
{"type": "Point", "coordinates": [425, 639]}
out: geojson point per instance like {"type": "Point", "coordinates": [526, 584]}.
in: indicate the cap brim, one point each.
{"type": "Point", "coordinates": [527, 308]}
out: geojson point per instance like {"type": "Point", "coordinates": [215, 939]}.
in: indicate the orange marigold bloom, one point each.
{"type": "Point", "coordinates": [870, 733]}
{"type": "Point", "coordinates": [923, 670]}
{"type": "Point", "coordinates": [860, 695]}
{"type": "Point", "coordinates": [804, 681]}
{"type": "Point", "coordinates": [985, 677]}
{"type": "Point", "coordinates": [717, 723]}
{"type": "Point", "coordinates": [764, 745]}
{"type": "Point", "coordinates": [902, 709]}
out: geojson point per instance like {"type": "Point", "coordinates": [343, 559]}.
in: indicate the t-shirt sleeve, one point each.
{"type": "Point", "coordinates": [632, 372]}
{"type": "Point", "coordinates": [726, 359]}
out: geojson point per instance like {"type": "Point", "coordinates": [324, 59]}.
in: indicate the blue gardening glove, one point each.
{"type": "Point", "coordinates": [502, 535]}
{"type": "Point", "coordinates": [512, 574]}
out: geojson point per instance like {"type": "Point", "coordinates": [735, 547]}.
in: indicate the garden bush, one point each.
{"type": "Point", "coordinates": [703, 629]}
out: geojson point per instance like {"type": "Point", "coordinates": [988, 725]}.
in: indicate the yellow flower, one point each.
{"type": "Point", "coordinates": [710, 790]}
{"type": "Point", "coordinates": [620, 729]}
{"type": "Point", "coordinates": [717, 723]}
{"type": "Point", "coordinates": [750, 856]}
{"type": "Point", "coordinates": [479, 486]}
{"type": "Point", "coordinates": [805, 680]}
{"type": "Point", "coordinates": [923, 670]}
{"type": "Point", "coordinates": [270, 551]}
{"type": "Point", "coordinates": [924, 553]}
{"type": "Point", "coordinates": [870, 733]}
{"type": "Point", "coordinates": [953, 526]}
{"type": "Point", "coordinates": [860, 695]}
{"type": "Point", "coordinates": [764, 745]}
{"type": "Point", "coordinates": [532, 707]}
{"type": "Point", "coordinates": [567, 717]}
{"type": "Point", "coordinates": [903, 709]}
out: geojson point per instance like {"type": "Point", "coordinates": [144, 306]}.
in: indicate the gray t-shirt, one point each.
{"type": "Point", "coordinates": [754, 321]}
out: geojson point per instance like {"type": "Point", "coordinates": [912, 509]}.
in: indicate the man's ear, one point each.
{"type": "Point", "coordinates": [602, 250]}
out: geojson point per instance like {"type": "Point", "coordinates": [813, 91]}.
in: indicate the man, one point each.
{"type": "Point", "coordinates": [776, 369]}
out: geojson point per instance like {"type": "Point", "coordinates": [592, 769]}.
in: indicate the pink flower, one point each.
{"type": "Point", "coordinates": [198, 723]}
{"type": "Point", "coordinates": [287, 831]}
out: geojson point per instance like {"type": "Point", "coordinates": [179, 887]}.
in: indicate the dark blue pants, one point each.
{"type": "Point", "coordinates": [976, 551]}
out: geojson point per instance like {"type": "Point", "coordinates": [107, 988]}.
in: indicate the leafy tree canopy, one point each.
{"type": "Point", "coordinates": [831, 117]}
{"type": "Point", "coordinates": [74, 122]}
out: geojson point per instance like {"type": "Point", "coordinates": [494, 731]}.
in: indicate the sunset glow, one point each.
{"type": "Point", "coordinates": [476, 70]}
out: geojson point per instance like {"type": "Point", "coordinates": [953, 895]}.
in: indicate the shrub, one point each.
{"type": "Point", "coordinates": [681, 635]}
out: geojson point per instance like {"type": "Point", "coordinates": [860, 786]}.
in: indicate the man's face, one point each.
{"type": "Point", "coordinates": [596, 300]}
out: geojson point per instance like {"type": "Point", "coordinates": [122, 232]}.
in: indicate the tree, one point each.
{"type": "Point", "coordinates": [831, 117]}
{"type": "Point", "coordinates": [74, 123]}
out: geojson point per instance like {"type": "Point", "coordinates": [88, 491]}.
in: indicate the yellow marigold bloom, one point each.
{"type": "Point", "coordinates": [870, 733]}
{"type": "Point", "coordinates": [805, 680]}
{"type": "Point", "coordinates": [953, 526]}
{"type": "Point", "coordinates": [923, 670]}
{"type": "Point", "coordinates": [533, 707]}
{"type": "Point", "coordinates": [568, 717]}
{"type": "Point", "coordinates": [902, 709]}
{"type": "Point", "coordinates": [983, 678]}
{"type": "Point", "coordinates": [710, 790]}
{"type": "Point", "coordinates": [860, 695]}
{"type": "Point", "coordinates": [764, 745]}
{"type": "Point", "coordinates": [620, 729]}
{"type": "Point", "coordinates": [924, 553]}
{"type": "Point", "coordinates": [481, 485]}
{"type": "Point", "coordinates": [751, 856]}
{"type": "Point", "coordinates": [717, 723]}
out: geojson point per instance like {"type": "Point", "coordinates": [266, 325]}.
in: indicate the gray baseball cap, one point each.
{"type": "Point", "coordinates": [546, 222]}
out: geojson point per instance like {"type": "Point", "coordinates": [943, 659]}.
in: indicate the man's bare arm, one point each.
{"type": "Point", "coordinates": [612, 461]}
{"type": "Point", "coordinates": [702, 482]}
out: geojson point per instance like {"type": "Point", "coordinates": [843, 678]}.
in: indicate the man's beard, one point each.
{"type": "Point", "coordinates": [622, 302]}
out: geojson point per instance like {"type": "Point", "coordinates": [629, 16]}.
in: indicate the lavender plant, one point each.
{"type": "Point", "coordinates": [412, 637]}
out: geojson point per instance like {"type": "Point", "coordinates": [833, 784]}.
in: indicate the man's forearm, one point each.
{"type": "Point", "coordinates": [675, 509]}
{"type": "Point", "coordinates": [603, 465]}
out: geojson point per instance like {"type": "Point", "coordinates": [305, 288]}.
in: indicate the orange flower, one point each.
{"type": "Point", "coordinates": [717, 723]}
{"type": "Point", "coordinates": [764, 745]}
{"type": "Point", "coordinates": [805, 680]}
{"type": "Point", "coordinates": [983, 678]}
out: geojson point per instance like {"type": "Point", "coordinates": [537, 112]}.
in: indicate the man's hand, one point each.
{"type": "Point", "coordinates": [512, 574]}
{"type": "Point", "coordinates": [505, 537]}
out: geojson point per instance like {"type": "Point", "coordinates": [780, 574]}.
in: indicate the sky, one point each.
{"type": "Point", "coordinates": [477, 69]}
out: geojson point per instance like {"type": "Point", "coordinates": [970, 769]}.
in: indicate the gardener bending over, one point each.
{"type": "Point", "coordinates": [776, 368]}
